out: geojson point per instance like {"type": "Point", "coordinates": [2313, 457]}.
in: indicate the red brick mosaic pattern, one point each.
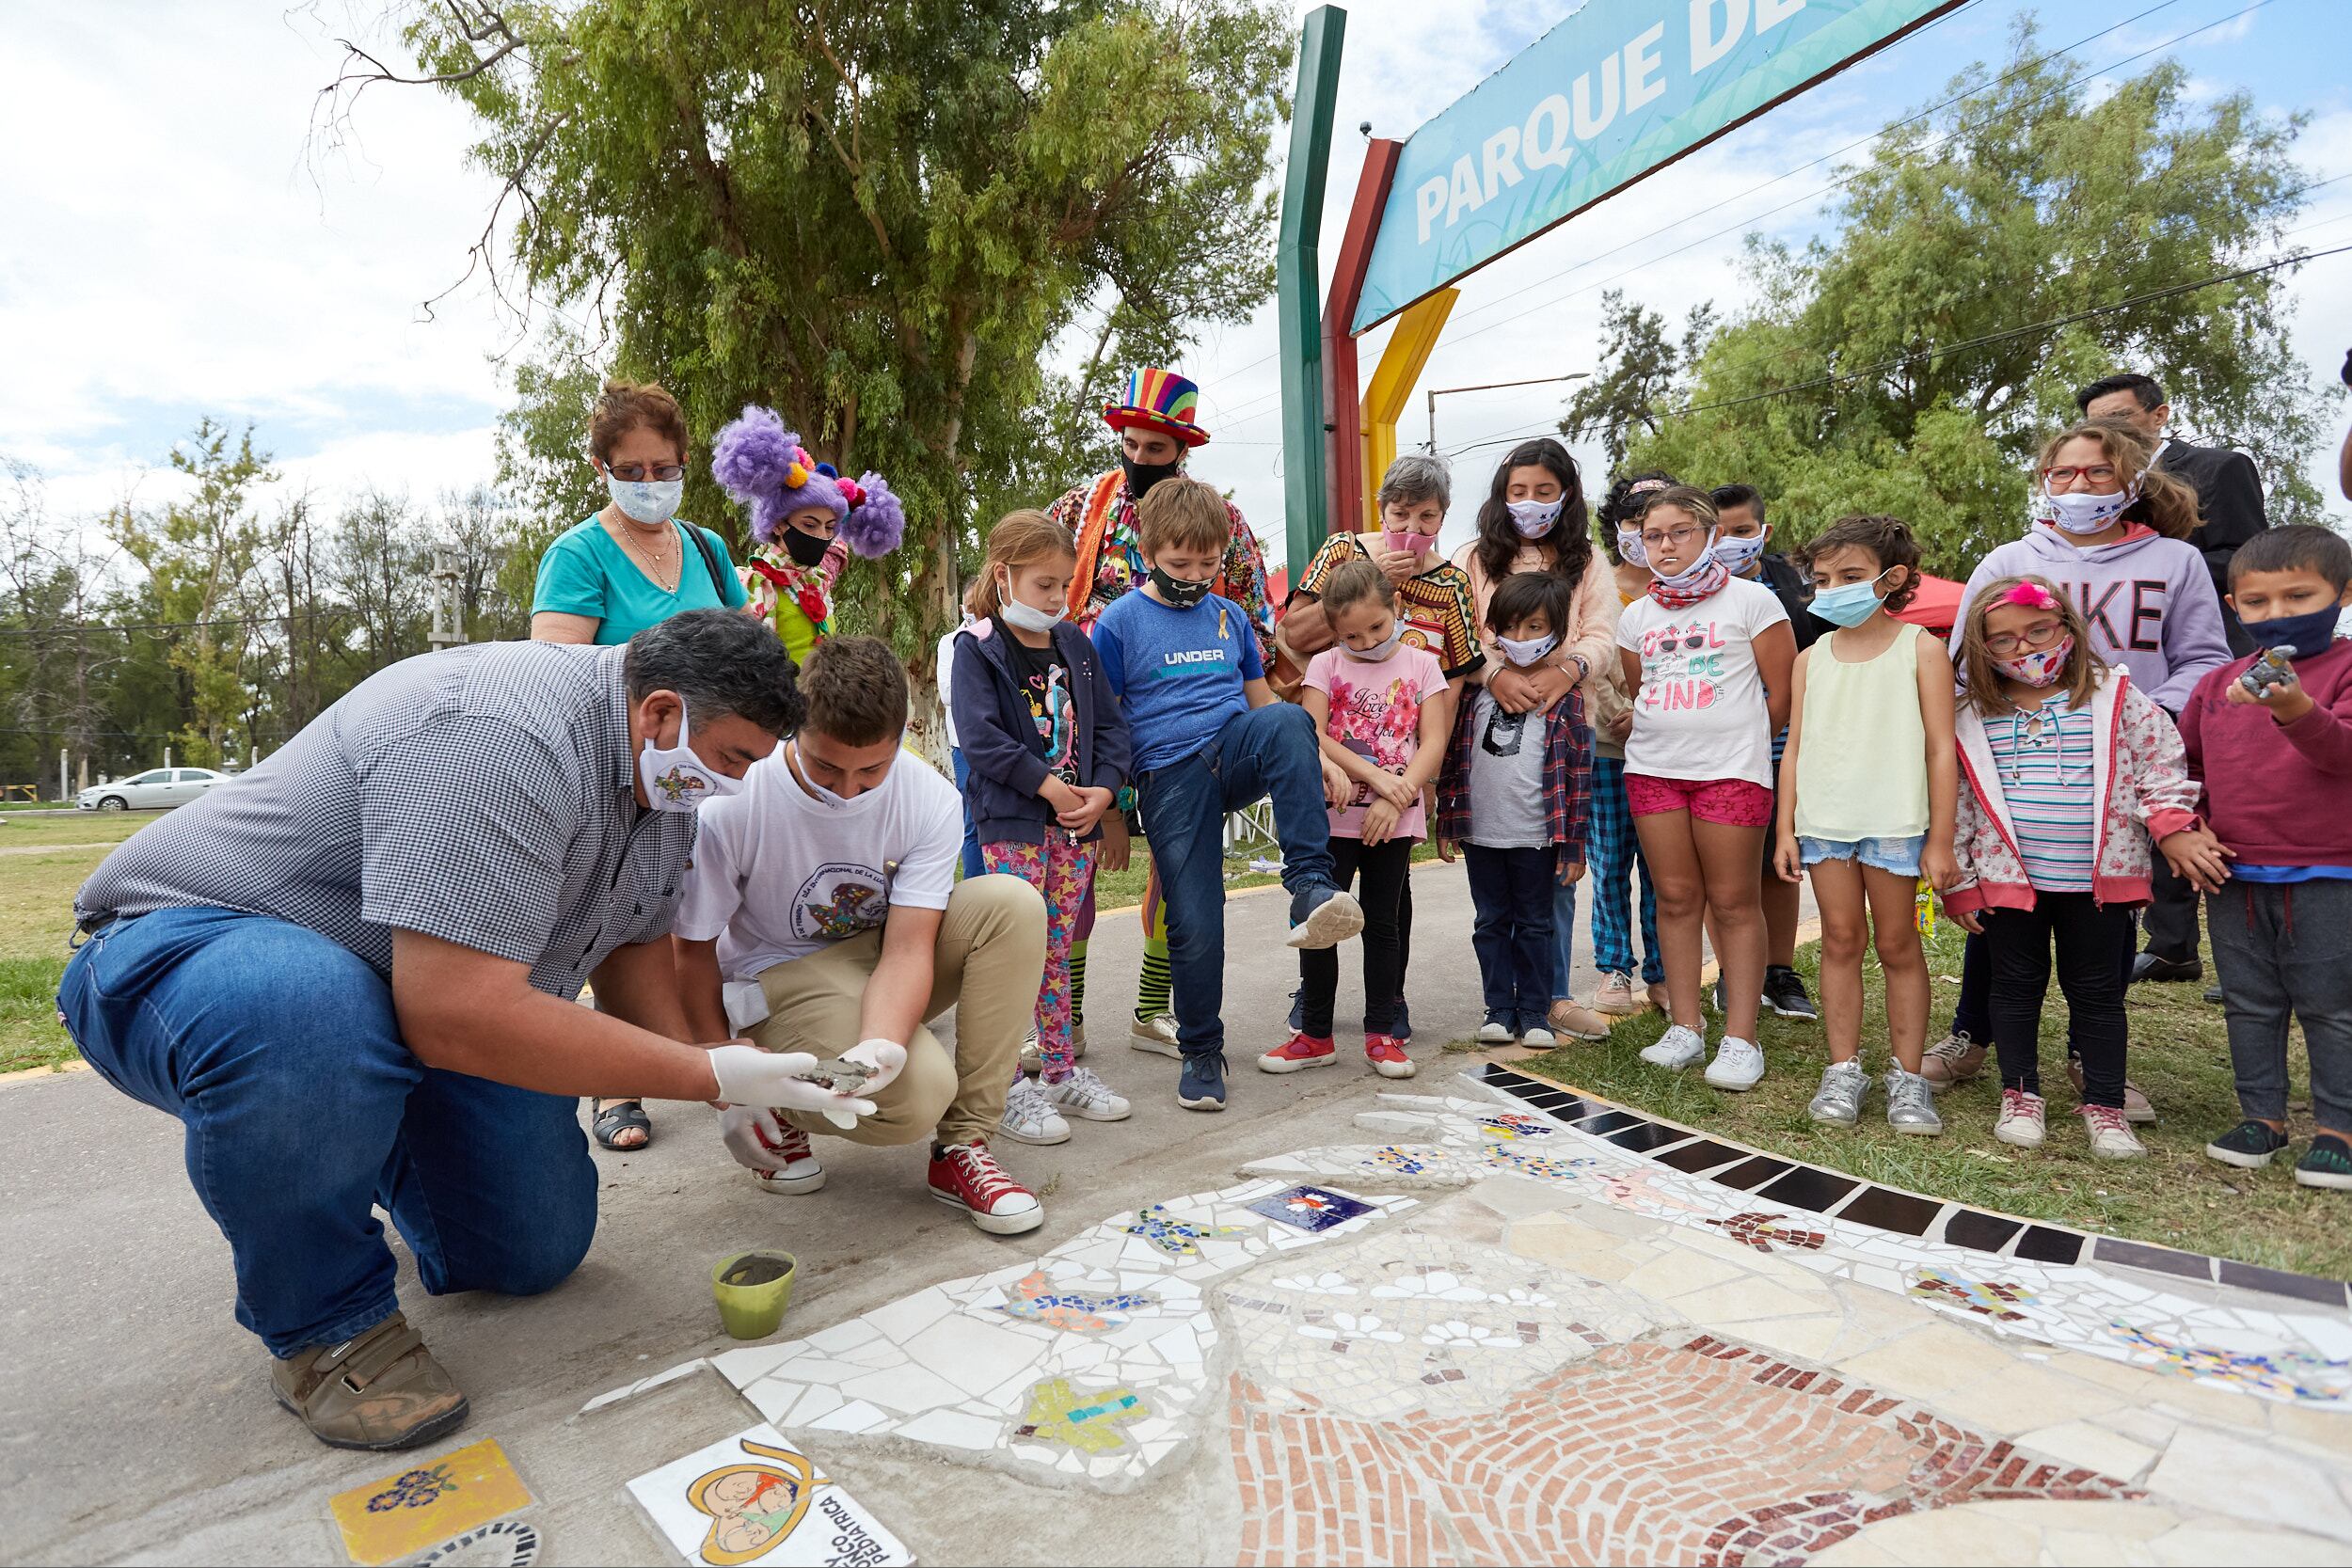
{"type": "Point", "coordinates": [1705, 1451]}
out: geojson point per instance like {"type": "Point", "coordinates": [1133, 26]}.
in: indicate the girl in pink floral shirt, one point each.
{"type": "Point", "coordinates": [1376, 700]}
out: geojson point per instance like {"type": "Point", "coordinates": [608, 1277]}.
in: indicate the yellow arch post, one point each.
{"type": "Point", "coordinates": [1401, 364]}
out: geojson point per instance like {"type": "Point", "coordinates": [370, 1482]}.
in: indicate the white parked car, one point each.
{"type": "Point", "coordinates": [157, 786]}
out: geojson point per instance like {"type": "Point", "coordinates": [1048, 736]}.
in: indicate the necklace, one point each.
{"type": "Point", "coordinates": [653, 560]}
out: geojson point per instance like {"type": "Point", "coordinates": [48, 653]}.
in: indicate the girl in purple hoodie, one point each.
{"type": "Point", "coordinates": [2109, 530]}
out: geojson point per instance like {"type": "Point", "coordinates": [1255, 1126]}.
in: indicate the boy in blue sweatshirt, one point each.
{"type": "Point", "coordinates": [1211, 737]}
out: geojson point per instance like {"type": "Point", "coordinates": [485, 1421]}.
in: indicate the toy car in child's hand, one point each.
{"type": "Point", "coordinates": [2271, 668]}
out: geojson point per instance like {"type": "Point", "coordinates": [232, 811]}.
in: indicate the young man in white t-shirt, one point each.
{"type": "Point", "coordinates": [830, 880]}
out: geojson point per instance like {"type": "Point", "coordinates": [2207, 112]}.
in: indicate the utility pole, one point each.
{"type": "Point", "coordinates": [1437, 392]}
{"type": "Point", "coordinates": [449, 621]}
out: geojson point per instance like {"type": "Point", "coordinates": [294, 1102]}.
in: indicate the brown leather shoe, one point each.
{"type": "Point", "coordinates": [2136, 1106]}
{"type": "Point", "coordinates": [1574, 1021]}
{"type": "Point", "coordinates": [378, 1389]}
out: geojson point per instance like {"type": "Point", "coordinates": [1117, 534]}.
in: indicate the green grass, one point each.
{"type": "Point", "coordinates": [35, 920]}
{"type": "Point", "coordinates": [2175, 1196]}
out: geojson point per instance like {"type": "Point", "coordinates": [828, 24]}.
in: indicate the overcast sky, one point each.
{"type": "Point", "coordinates": [172, 250]}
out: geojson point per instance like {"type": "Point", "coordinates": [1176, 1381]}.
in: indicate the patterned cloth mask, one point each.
{"type": "Point", "coordinates": [2041, 669]}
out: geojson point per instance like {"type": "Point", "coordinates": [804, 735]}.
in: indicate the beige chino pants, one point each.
{"type": "Point", "coordinates": [987, 965]}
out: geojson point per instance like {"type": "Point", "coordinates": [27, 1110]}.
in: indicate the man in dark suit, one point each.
{"type": "Point", "coordinates": [2230, 501]}
{"type": "Point", "coordinates": [2229, 488]}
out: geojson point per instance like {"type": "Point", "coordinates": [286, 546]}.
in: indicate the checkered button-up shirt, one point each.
{"type": "Point", "coordinates": [482, 795]}
{"type": "Point", "coordinates": [1567, 775]}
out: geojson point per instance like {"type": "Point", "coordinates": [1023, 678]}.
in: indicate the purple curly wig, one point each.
{"type": "Point", "coordinates": [877, 523]}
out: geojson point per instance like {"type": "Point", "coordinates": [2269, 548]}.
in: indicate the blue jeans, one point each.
{"type": "Point", "coordinates": [972, 867]}
{"type": "Point", "coordinates": [1267, 751]}
{"type": "Point", "coordinates": [279, 1052]}
{"type": "Point", "coordinates": [1511, 891]}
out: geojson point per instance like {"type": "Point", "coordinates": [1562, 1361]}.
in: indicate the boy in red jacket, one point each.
{"type": "Point", "coordinates": [2274, 758]}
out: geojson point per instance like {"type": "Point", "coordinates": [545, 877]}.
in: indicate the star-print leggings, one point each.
{"type": "Point", "coordinates": [1062, 869]}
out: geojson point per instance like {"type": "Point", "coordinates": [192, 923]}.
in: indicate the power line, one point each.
{"type": "Point", "coordinates": [1846, 377]}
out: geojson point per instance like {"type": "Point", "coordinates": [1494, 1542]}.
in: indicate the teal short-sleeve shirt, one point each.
{"type": "Point", "coordinates": [586, 572]}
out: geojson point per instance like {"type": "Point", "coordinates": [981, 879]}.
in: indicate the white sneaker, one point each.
{"type": "Point", "coordinates": [1084, 1095]}
{"type": "Point", "coordinates": [1492, 1033]}
{"type": "Point", "coordinates": [1156, 1034]}
{"type": "Point", "coordinates": [1539, 1039]}
{"type": "Point", "coordinates": [1678, 1048]}
{"type": "Point", "coordinates": [2111, 1134]}
{"type": "Point", "coordinates": [1737, 1065]}
{"type": "Point", "coordinates": [1030, 1117]}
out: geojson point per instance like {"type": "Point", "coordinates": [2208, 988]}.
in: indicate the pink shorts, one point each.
{"type": "Point", "coordinates": [1732, 802]}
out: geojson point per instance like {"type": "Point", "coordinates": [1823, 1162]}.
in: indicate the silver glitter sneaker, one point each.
{"type": "Point", "coordinates": [1838, 1102]}
{"type": "Point", "coordinates": [1911, 1105]}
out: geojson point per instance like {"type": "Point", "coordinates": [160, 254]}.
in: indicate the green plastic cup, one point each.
{"type": "Point", "coordinates": [752, 1289]}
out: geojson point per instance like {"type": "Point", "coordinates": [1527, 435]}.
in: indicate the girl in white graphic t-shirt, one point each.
{"type": "Point", "coordinates": [1707, 656]}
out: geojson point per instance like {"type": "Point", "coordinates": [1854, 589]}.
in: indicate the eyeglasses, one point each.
{"type": "Point", "coordinates": [637, 473]}
{"type": "Point", "coordinates": [2001, 644]}
{"type": "Point", "coordinates": [1674, 536]}
{"type": "Point", "coordinates": [2059, 479]}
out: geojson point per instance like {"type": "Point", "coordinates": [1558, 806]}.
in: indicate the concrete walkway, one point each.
{"type": "Point", "coordinates": [145, 1432]}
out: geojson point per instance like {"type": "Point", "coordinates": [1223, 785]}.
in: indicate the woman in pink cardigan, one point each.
{"type": "Point", "coordinates": [1534, 521]}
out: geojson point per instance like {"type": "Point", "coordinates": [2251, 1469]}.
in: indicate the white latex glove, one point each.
{"type": "Point", "coordinates": [746, 1075]}
{"type": "Point", "coordinates": [886, 1057]}
{"type": "Point", "coordinates": [747, 1129]}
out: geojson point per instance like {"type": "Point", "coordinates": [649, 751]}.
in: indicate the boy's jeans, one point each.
{"type": "Point", "coordinates": [279, 1052]}
{"type": "Point", "coordinates": [2282, 948]}
{"type": "Point", "coordinates": [1267, 751]}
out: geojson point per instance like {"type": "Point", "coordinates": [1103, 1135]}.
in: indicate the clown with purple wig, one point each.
{"type": "Point", "coordinates": [806, 521]}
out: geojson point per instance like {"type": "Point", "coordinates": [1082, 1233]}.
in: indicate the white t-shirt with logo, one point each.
{"type": "Point", "coordinates": [778, 873]}
{"type": "Point", "coordinates": [1701, 714]}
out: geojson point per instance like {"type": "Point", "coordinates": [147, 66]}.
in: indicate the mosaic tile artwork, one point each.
{"type": "Point", "coordinates": [1310, 1208]}
{"type": "Point", "coordinates": [1989, 1297]}
{"type": "Point", "coordinates": [1567, 1348]}
{"type": "Point", "coordinates": [501, 1543]}
{"type": "Point", "coordinates": [753, 1497]}
{"type": "Point", "coordinates": [428, 1501]}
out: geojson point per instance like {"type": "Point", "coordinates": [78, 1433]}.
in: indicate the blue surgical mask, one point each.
{"type": "Point", "coordinates": [1739, 554]}
{"type": "Point", "coordinates": [1848, 604]}
{"type": "Point", "coordinates": [1534, 519]}
{"type": "Point", "coordinates": [2301, 636]}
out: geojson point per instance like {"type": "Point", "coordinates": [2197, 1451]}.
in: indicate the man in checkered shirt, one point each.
{"type": "Point", "coordinates": [351, 974]}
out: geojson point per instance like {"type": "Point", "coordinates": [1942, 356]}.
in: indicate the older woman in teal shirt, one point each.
{"type": "Point", "coordinates": [631, 565]}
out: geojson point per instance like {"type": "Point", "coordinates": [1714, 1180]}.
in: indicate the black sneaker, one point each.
{"type": "Point", "coordinates": [2213, 994]}
{"type": "Point", "coordinates": [1784, 993]}
{"type": "Point", "coordinates": [2327, 1163]}
{"type": "Point", "coordinates": [2247, 1145]}
{"type": "Point", "coordinates": [2148, 966]}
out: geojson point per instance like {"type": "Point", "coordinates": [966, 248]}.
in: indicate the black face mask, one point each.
{"type": "Point", "coordinates": [1142, 476]}
{"type": "Point", "coordinates": [806, 550]}
{"type": "Point", "coordinates": [1177, 592]}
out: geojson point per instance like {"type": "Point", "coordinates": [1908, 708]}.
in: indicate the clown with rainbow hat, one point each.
{"type": "Point", "coordinates": [1158, 425]}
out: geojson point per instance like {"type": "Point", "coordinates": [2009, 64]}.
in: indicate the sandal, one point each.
{"type": "Point", "coordinates": [622, 1115]}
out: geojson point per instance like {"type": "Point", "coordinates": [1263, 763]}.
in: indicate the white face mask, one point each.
{"type": "Point", "coordinates": [675, 778]}
{"type": "Point", "coordinates": [646, 500]}
{"type": "Point", "coordinates": [1631, 549]}
{"type": "Point", "coordinates": [1524, 651]}
{"type": "Point", "coordinates": [824, 796]}
{"type": "Point", "coordinates": [1534, 519]}
{"type": "Point", "coordinates": [1739, 554]}
{"type": "Point", "coordinates": [1381, 650]}
{"type": "Point", "coordinates": [2076, 513]}
{"type": "Point", "coordinates": [1025, 617]}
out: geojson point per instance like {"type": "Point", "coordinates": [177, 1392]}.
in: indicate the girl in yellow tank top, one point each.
{"type": "Point", "coordinates": [1868, 788]}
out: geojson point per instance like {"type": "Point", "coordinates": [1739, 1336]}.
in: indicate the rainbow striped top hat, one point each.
{"type": "Point", "coordinates": [1161, 400]}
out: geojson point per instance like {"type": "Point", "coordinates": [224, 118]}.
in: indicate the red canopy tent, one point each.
{"type": "Point", "coordinates": [1936, 606]}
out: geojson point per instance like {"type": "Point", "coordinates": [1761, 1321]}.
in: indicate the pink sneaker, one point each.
{"type": "Point", "coordinates": [797, 1170]}
{"type": "Point", "coordinates": [1387, 1056]}
{"type": "Point", "coordinates": [1301, 1051]}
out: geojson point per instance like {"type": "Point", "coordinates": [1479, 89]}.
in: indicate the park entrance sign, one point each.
{"type": "Point", "coordinates": [1616, 91]}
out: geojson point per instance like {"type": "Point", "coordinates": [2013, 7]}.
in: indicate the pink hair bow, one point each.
{"type": "Point", "coordinates": [2032, 595]}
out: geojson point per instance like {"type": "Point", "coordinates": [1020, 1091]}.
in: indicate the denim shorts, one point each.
{"type": "Point", "coordinates": [1899, 856]}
